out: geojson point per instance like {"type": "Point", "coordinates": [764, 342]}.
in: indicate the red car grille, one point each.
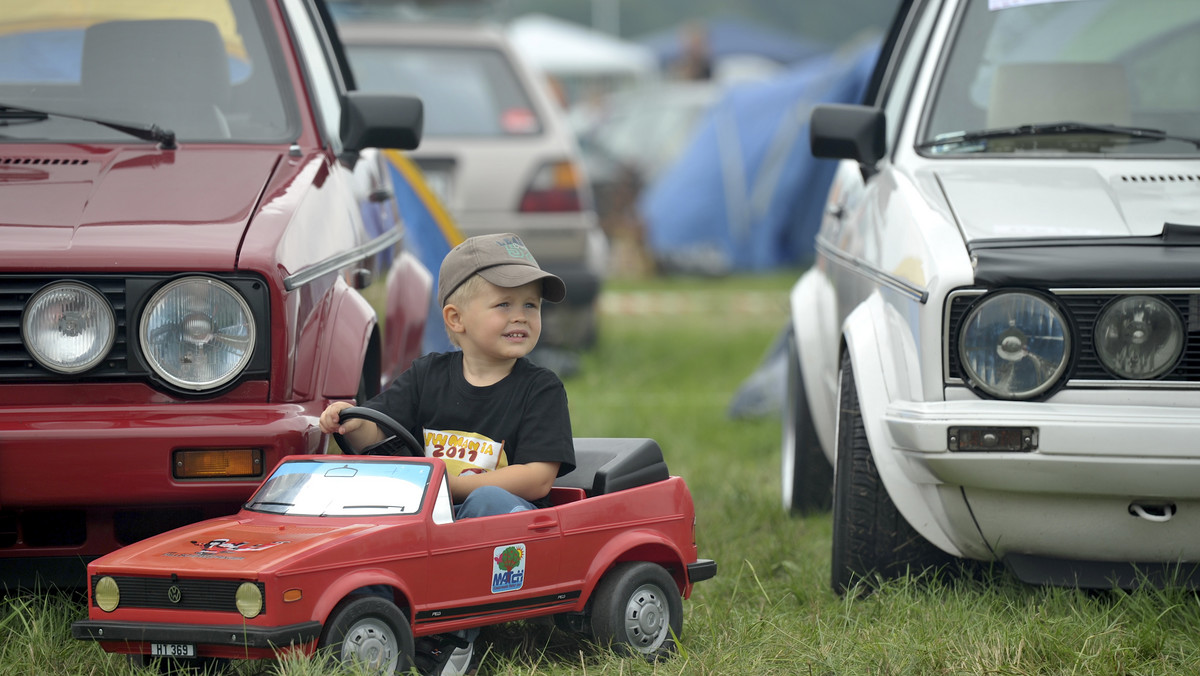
{"type": "Point", "coordinates": [150, 592]}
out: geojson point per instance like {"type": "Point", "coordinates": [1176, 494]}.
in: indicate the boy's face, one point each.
{"type": "Point", "coordinates": [501, 323]}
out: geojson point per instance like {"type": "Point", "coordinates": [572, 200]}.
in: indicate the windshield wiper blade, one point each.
{"type": "Point", "coordinates": [1054, 129]}
{"type": "Point", "coordinates": [260, 503]}
{"type": "Point", "coordinates": [10, 115]}
{"type": "Point", "coordinates": [402, 508]}
{"type": "Point", "coordinates": [164, 137]}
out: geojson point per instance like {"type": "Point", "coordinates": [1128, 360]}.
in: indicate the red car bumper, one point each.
{"type": "Point", "coordinates": [80, 481]}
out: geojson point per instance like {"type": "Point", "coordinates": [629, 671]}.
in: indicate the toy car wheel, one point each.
{"type": "Point", "coordinates": [806, 473]}
{"type": "Point", "coordinates": [397, 439]}
{"type": "Point", "coordinates": [870, 537]}
{"type": "Point", "coordinates": [638, 610]}
{"type": "Point", "coordinates": [369, 631]}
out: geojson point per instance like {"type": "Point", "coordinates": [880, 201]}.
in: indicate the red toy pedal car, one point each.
{"type": "Point", "coordinates": [359, 554]}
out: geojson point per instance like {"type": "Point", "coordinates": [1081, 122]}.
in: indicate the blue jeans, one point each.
{"type": "Point", "coordinates": [489, 501]}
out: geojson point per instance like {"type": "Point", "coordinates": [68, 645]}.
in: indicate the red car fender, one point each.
{"type": "Point", "coordinates": [346, 334]}
{"type": "Point", "coordinates": [409, 285]}
{"type": "Point", "coordinates": [356, 579]}
{"type": "Point", "coordinates": [640, 545]}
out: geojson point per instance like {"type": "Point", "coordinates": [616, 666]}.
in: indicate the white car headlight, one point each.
{"type": "Point", "coordinates": [68, 327]}
{"type": "Point", "coordinates": [197, 333]}
{"type": "Point", "coordinates": [1139, 337]}
{"type": "Point", "coordinates": [1014, 345]}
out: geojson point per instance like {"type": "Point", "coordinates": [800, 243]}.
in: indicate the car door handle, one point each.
{"type": "Point", "coordinates": [543, 524]}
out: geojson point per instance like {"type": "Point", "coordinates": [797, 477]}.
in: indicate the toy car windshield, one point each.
{"type": "Point", "coordinates": [317, 488]}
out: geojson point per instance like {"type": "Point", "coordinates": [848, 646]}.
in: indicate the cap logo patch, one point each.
{"type": "Point", "coordinates": [516, 249]}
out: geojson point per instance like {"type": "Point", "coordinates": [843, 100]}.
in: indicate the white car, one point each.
{"type": "Point", "coordinates": [997, 349]}
{"type": "Point", "coordinates": [496, 149]}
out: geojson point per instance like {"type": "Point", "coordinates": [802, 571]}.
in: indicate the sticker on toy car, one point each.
{"type": "Point", "coordinates": [222, 548]}
{"type": "Point", "coordinates": [508, 568]}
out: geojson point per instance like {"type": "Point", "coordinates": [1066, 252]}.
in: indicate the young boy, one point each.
{"type": "Point", "coordinates": [499, 422]}
{"type": "Point", "coordinates": [490, 289]}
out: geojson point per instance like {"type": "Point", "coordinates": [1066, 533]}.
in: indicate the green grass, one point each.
{"type": "Point", "coordinates": [669, 374]}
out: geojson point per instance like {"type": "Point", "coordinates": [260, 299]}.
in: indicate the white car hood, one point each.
{"type": "Point", "coordinates": [1027, 200]}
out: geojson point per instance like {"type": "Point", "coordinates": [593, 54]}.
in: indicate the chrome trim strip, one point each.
{"type": "Point", "coordinates": [872, 272]}
{"type": "Point", "coordinates": [335, 263]}
{"type": "Point", "coordinates": [1108, 385]}
{"type": "Point", "coordinates": [1134, 384]}
{"type": "Point", "coordinates": [1125, 290]}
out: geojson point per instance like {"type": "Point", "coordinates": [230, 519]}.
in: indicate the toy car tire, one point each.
{"type": "Point", "coordinates": [638, 610]}
{"type": "Point", "coordinates": [371, 631]}
{"type": "Point", "coordinates": [806, 473]}
{"type": "Point", "coordinates": [871, 539]}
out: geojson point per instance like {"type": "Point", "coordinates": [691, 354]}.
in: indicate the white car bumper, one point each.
{"type": "Point", "coordinates": [1105, 482]}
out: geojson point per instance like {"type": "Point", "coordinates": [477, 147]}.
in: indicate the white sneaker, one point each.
{"type": "Point", "coordinates": [459, 662]}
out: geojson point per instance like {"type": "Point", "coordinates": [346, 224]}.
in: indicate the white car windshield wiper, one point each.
{"type": "Point", "coordinates": [1054, 129]}
{"type": "Point", "coordinates": [164, 137]}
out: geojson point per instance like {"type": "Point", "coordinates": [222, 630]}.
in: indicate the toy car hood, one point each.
{"type": "Point", "coordinates": [228, 545]}
{"type": "Point", "coordinates": [108, 208]}
{"type": "Point", "coordinates": [1032, 200]}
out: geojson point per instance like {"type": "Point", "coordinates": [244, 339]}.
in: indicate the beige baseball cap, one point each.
{"type": "Point", "coordinates": [501, 259]}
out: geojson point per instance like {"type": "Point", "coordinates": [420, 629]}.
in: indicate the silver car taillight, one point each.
{"type": "Point", "coordinates": [556, 186]}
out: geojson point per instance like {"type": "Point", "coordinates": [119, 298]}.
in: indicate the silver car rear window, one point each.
{"type": "Point", "coordinates": [467, 91]}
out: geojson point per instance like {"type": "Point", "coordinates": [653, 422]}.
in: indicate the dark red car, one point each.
{"type": "Point", "coordinates": [359, 554]}
{"type": "Point", "coordinates": [200, 250]}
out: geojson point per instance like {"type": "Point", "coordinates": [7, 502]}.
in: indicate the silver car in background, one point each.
{"type": "Point", "coordinates": [496, 149]}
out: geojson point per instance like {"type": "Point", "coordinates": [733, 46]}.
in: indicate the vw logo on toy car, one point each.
{"type": "Point", "coordinates": [508, 568]}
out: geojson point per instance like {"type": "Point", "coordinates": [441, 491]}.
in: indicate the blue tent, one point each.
{"type": "Point", "coordinates": [747, 194]}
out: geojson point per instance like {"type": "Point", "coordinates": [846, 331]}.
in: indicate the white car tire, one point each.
{"type": "Point", "coordinates": [871, 539]}
{"type": "Point", "coordinates": [805, 472]}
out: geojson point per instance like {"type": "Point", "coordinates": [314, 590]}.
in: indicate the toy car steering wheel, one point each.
{"type": "Point", "coordinates": [398, 440]}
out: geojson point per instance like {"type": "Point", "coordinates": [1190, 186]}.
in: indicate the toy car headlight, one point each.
{"type": "Point", "coordinates": [68, 327]}
{"type": "Point", "coordinates": [106, 594]}
{"type": "Point", "coordinates": [197, 333]}
{"type": "Point", "coordinates": [249, 600]}
{"type": "Point", "coordinates": [1014, 345]}
{"type": "Point", "coordinates": [1139, 337]}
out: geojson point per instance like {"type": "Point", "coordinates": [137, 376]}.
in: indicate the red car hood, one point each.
{"type": "Point", "coordinates": [224, 546]}
{"type": "Point", "coordinates": [128, 208]}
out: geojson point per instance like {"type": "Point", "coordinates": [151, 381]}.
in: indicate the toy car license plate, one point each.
{"type": "Point", "coordinates": [172, 650]}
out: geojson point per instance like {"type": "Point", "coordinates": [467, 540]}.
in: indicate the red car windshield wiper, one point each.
{"type": "Point", "coordinates": [164, 137]}
{"type": "Point", "coordinates": [1055, 129]}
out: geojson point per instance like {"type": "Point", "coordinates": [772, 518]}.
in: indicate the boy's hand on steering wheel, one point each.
{"type": "Point", "coordinates": [329, 421]}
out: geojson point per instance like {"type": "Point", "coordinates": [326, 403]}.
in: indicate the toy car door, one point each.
{"type": "Point", "coordinates": [495, 565]}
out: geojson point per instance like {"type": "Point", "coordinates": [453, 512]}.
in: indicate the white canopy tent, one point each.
{"type": "Point", "coordinates": [583, 61]}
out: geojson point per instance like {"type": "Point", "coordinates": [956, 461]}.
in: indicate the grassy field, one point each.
{"type": "Point", "coordinates": [671, 354]}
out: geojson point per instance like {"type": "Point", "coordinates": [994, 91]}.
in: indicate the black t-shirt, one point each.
{"type": "Point", "coordinates": [521, 419]}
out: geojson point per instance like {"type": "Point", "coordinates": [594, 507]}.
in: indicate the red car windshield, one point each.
{"type": "Point", "coordinates": [324, 488]}
{"type": "Point", "coordinates": [202, 70]}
